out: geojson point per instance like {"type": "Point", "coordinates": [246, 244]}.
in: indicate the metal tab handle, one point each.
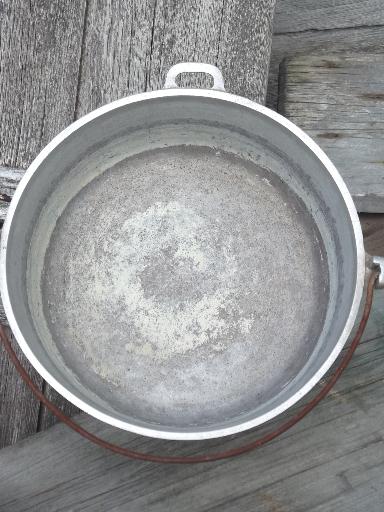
{"type": "Point", "coordinates": [194, 67]}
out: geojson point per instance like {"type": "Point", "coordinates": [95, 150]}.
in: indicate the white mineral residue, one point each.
{"type": "Point", "coordinates": [168, 329]}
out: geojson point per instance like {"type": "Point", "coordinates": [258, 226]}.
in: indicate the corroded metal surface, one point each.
{"type": "Point", "coordinates": [201, 280]}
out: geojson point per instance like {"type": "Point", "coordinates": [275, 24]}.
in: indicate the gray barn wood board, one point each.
{"type": "Point", "coordinates": [40, 58]}
{"type": "Point", "coordinates": [40, 50]}
{"type": "Point", "coordinates": [304, 15]}
{"type": "Point", "coordinates": [61, 59]}
{"type": "Point", "coordinates": [359, 39]}
{"type": "Point", "coordinates": [19, 410]}
{"type": "Point", "coordinates": [332, 461]}
{"type": "Point", "coordinates": [304, 26]}
{"type": "Point", "coordinates": [339, 101]}
{"type": "Point", "coordinates": [146, 38]}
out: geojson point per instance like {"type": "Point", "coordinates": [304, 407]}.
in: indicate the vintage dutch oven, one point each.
{"type": "Point", "coordinates": [183, 264]}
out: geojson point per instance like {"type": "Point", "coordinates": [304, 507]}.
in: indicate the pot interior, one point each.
{"type": "Point", "coordinates": [187, 265]}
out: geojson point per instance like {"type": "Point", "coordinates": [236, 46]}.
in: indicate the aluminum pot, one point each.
{"type": "Point", "coordinates": [183, 264]}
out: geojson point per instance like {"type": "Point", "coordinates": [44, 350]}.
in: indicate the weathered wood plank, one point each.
{"type": "Point", "coordinates": [116, 51]}
{"type": "Point", "coordinates": [187, 31]}
{"type": "Point", "coordinates": [361, 40]}
{"type": "Point", "coordinates": [338, 101]}
{"type": "Point", "coordinates": [169, 32]}
{"type": "Point", "coordinates": [19, 410]}
{"type": "Point", "coordinates": [39, 64]}
{"type": "Point", "coordinates": [363, 497]}
{"type": "Point", "coordinates": [245, 47]}
{"type": "Point", "coordinates": [297, 16]}
{"type": "Point", "coordinates": [146, 38]}
{"type": "Point", "coordinates": [336, 455]}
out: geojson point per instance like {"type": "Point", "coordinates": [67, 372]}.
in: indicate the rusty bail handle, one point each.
{"type": "Point", "coordinates": [213, 456]}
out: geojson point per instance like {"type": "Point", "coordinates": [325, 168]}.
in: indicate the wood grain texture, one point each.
{"type": "Point", "coordinates": [333, 460]}
{"type": "Point", "coordinates": [39, 62]}
{"type": "Point", "coordinates": [116, 51]}
{"type": "Point", "coordinates": [19, 410]}
{"type": "Point", "coordinates": [40, 48]}
{"type": "Point", "coordinates": [188, 31]}
{"type": "Point", "coordinates": [361, 40]}
{"type": "Point", "coordinates": [130, 46]}
{"type": "Point", "coordinates": [338, 101]}
{"type": "Point", "coordinates": [245, 47]}
{"type": "Point", "coordinates": [299, 15]}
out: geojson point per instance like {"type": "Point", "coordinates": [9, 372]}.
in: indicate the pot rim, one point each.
{"type": "Point", "coordinates": [161, 432]}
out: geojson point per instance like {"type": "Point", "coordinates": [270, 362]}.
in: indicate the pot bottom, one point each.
{"type": "Point", "coordinates": [184, 286]}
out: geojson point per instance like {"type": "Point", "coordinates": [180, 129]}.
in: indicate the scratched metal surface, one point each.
{"type": "Point", "coordinates": [198, 293]}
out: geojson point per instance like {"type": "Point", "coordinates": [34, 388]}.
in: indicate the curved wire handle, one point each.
{"type": "Point", "coordinates": [212, 456]}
